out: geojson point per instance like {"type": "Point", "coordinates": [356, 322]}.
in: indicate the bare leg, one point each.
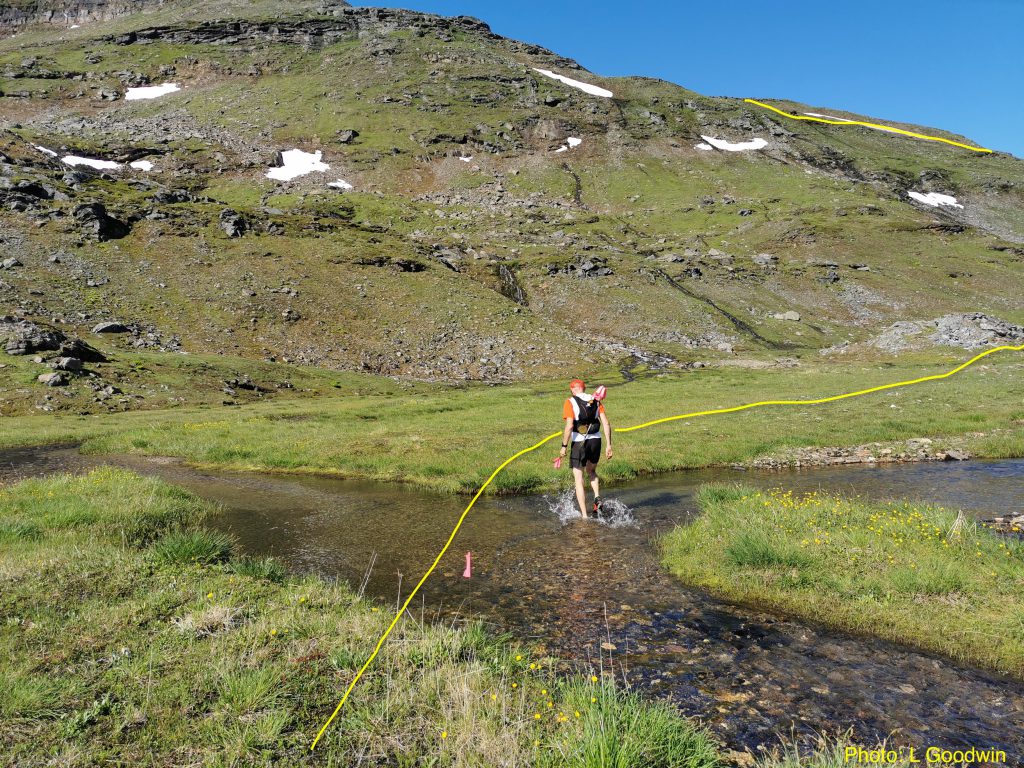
{"type": "Point", "coordinates": [581, 493]}
{"type": "Point", "coordinates": [595, 483]}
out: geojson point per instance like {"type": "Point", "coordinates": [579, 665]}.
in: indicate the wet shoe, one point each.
{"type": "Point", "coordinates": [597, 506]}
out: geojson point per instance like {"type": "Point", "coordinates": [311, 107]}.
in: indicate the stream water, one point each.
{"type": "Point", "coordinates": [571, 585]}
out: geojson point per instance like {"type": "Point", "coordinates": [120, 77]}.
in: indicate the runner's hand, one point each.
{"type": "Point", "coordinates": [608, 453]}
{"type": "Point", "coordinates": [562, 452]}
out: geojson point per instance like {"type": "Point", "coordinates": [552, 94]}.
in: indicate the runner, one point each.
{"type": "Point", "coordinates": [584, 418]}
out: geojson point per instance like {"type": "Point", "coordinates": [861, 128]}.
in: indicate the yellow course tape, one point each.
{"type": "Point", "coordinates": [869, 125]}
{"type": "Point", "coordinates": [534, 447]}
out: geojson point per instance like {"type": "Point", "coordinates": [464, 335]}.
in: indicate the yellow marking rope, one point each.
{"type": "Point", "coordinates": [869, 125]}
{"type": "Point", "coordinates": [534, 447]}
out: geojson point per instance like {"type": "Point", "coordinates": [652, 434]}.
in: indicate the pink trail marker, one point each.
{"type": "Point", "coordinates": [469, 566]}
{"type": "Point", "coordinates": [558, 462]}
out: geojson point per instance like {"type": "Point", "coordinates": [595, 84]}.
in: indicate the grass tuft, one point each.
{"type": "Point", "coordinates": [197, 546]}
{"type": "Point", "coordinates": [266, 568]}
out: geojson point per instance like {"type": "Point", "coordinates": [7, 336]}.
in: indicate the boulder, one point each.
{"type": "Point", "coordinates": [788, 315]}
{"type": "Point", "coordinates": [81, 350]}
{"type": "Point", "coordinates": [166, 196]}
{"type": "Point", "coordinates": [10, 263]}
{"type": "Point", "coordinates": [110, 327]}
{"type": "Point", "coordinates": [94, 220]}
{"type": "Point", "coordinates": [55, 379]}
{"type": "Point", "coordinates": [347, 136]}
{"type": "Point", "coordinates": [67, 364]}
{"type": "Point", "coordinates": [233, 223]}
{"type": "Point", "coordinates": [35, 189]}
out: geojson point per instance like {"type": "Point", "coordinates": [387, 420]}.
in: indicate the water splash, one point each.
{"type": "Point", "coordinates": [614, 513]}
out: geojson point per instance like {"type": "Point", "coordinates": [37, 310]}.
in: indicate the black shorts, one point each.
{"type": "Point", "coordinates": [585, 452]}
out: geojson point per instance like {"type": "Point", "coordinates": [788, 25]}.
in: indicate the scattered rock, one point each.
{"type": "Point", "coordinates": [347, 136]}
{"type": "Point", "coordinates": [966, 330]}
{"type": "Point", "coordinates": [10, 263]}
{"type": "Point", "coordinates": [954, 455]}
{"type": "Point", "coordinates": [22, 337]}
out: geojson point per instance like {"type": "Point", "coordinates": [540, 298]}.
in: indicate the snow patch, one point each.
{"type": "Point", "coordinates": [297, 163]}
{"type": "Point", "coordinates": [935, 199]}
{"type": "Point", "coordinates": [100, 165]}
{"type": "Point", "coordinates": [150, 91]}
{"type": "Point", "coordinates": [340, 184]}
{"type": "Point", "coordinates": [142, 165]}
{"type": "Point", "coordinates": [75, 26]}
{"type": "Point", "coordinates": [466, 158]}
{"type": "Point", "coordinates": [703, 146]}
{"type": "Point", "coordinates": [45, 151]}
{"type": "Point", "coordinates": [570, 142]}
{"type": "Point", "coordinates": [826, 117]}
{"type": "Point", "coordinates": [729, 146]}
{"type": "Point", "coordinates": [593, 90]}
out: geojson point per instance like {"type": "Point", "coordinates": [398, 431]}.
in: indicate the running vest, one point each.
{"type": "Point", "coordinates": [587, 422]}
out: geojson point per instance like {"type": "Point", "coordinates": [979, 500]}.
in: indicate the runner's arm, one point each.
{"type": "Point", "coordinates": [607, 432]}
{"type": "Point", "coordinates": [566, 434]}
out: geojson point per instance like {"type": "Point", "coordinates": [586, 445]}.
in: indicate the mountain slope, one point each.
{"type": "Point", "coordinates": [471, 245]}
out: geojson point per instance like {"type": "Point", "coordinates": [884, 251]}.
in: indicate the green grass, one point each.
{"type": "Point", "coordinates": [442, 437]}
{"type": "Point", "coordinates": [906, 572]}
{"type": "Point", "coordinates": [161, 653]}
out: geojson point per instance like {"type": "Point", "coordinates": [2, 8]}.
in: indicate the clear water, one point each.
{"type": "Point", "coordinates": [570, 585]}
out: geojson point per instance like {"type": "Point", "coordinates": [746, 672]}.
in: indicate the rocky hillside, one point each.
{"type": "Point", "coordinates": [406, 194]}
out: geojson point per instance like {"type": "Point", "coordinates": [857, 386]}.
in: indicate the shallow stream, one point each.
{"type": "Point", "coordinates": [571, 585]}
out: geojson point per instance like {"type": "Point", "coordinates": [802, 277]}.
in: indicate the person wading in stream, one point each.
{"type": "Point", "coordinates": [584, 419]}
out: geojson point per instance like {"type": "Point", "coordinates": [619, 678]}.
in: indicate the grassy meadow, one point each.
{"type": "Point", "coordinates": [451, 438]}
{"type": "Point", "coordinates": [912, 573]}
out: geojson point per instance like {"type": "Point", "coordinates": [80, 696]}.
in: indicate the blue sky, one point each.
{"type": "Point", "coordinates": [941, 63]}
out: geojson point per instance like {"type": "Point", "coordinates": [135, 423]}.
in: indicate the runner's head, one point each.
{"type": "Point", "coordinates": [576, 386]}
